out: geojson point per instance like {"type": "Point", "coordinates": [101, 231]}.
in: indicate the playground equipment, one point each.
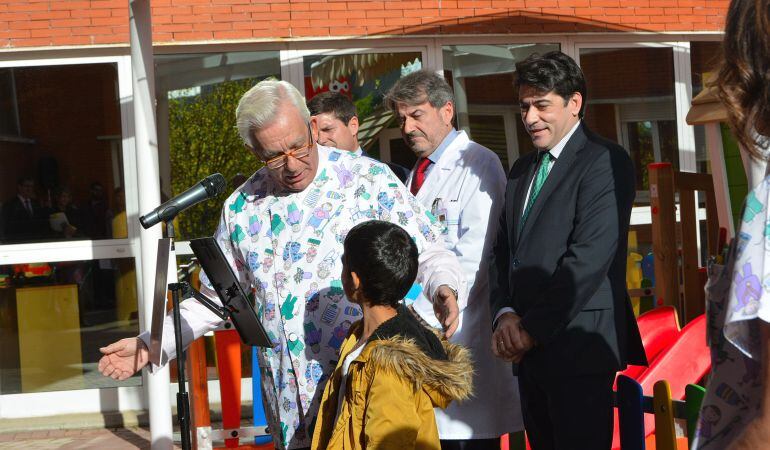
{"type": "Point", "coordinates": [679, 282]}
{"type": "Point", "coordinates": [659, 329]}
{"type": "Point", "coordinates": [685, 361]}
{"type": "Point", "coordinates": [634, 408]}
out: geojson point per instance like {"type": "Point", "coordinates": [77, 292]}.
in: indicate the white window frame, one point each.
{"type": "Point", "coordinates": [86, 400]}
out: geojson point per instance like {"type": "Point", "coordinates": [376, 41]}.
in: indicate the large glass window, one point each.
{"type": "Point", "coordinates": [62, 179]}
{"type": "Point", "coordinates": [365, 78]}
{"type": "Point", "coordinates": [54, 317]}
{"type": "Point", "coordinates": [485, 100]}
{"type": "Point", "coordinates": [61, 166]}
{"type": "Point", "coordinates": [631, 101]}
{"type": "Point", "coordinates": [197, 96]}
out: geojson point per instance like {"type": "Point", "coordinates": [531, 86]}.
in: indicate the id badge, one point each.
{"type": "Point", "coordinates": [439, 212]}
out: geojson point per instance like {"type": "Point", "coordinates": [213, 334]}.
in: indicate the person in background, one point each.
{"type": "Point", "coordinates": [64, 217]}
{"type": "Point", "coordinates": [96, 213]}
{"type": "Point", "coordinates": [24, 218]}
{"type": "Point", "coordinates": [735, 413]}
{"type": "Point", "coordinates": [463, 184]}
{"type": "Point", "coordinates": [558, 283]}
{"type": "Point", "coordinates": [392, 371]}
{"type": "Point", "coordinates": [337, 123]}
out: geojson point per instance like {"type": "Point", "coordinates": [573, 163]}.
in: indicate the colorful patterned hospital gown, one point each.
{"type": "Point", "coordinates": [738, 298]}
{"type": "Point", "coordinates": [286, 247]}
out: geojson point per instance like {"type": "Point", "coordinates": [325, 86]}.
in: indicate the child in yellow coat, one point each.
{"type": "Point", "coordinates": [392, 370]}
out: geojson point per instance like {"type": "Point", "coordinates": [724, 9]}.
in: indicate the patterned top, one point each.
{"type": "Point", "coordinates": [738, 298]}
{"type": "Point", "coordinates": [287, 247]}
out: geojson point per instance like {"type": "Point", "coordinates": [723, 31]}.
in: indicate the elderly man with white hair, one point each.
{"type": "Point", "coordinates": [282, 232]}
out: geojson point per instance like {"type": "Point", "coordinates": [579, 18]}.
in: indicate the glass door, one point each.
{"type": "Point", "coordinates": [68, 278]}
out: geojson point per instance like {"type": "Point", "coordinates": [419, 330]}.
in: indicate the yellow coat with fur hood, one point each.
{"type": "Point", "coordinates": [403, 372]}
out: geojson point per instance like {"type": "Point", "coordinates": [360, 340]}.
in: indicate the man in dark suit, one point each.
{"type": "Point", "coordinates": [23, 216]}
{"type": "Point", "coordinates": [337, 120]}
{"type": "Point", "coordinates": [558, 293]}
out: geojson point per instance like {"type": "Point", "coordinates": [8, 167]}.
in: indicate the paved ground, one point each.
{"type": "Point", "coordinates": [81, 439]}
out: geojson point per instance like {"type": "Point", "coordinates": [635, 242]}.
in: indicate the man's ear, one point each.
{"type": "Point", "coordinates": [353, 125]}
{"type": "Point", "coordinates": [575, 103]}
{"type": "Point", "coordinates": [447, 112]}
{"type": "Point", "coordinates": [314, 127]}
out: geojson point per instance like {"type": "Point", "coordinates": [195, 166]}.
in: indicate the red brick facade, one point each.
{"type": "Point", "coordinates": [35, 23]}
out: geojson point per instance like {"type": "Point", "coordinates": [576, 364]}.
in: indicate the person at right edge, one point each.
{"type": "Point", "coordinates": [557, 282]}
{"type": "Point", "coordinates": [735, 414]}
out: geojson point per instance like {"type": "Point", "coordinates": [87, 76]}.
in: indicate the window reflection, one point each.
{"type": "Point", "coordinates": [54, 317]}
{"type": "Point", "coordinates": [60, 158]}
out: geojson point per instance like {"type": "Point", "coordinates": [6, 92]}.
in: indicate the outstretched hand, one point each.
{"type": "Point", "coordinates": [446, 309]}
{"type": "Point", "coordinates": [123, 358]}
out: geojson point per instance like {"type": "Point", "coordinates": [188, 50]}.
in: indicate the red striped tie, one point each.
{"type": "Point", "coordinates": [419, 175]}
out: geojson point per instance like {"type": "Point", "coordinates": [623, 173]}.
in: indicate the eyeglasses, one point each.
{"type": "Point", "coordinates": [297, 153]}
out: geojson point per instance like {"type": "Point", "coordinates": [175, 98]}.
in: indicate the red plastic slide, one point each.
{"type": "Point", "coordinates": [686, 361]}
{"type": "Point", "coordinates": [659, 329]}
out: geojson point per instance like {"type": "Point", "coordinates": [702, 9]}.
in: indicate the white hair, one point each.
{"type": "Point", "coordinates": [258, 106]}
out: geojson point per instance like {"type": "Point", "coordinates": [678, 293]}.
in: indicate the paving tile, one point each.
{"type": "Point", "coordinates": [78, 439]}
{"type": "Point", "coordinates": [37, 444]}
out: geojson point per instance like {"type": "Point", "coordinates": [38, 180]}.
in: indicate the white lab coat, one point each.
{"type": "Point", "coordinates": [470, 181]}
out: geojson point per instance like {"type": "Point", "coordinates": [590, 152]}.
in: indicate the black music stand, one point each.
{"type": "Point", "coordinates": [236, 304]}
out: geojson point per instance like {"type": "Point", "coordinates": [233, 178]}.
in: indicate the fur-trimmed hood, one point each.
{"type": "Point", "coordinates": [392, 388]}
{"type": "Point", "coordinates": [443, 380]}
{"type": "Point", "coordinates": [402, 345]}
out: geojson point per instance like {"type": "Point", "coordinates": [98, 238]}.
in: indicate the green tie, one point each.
{"type": "Point", "coordinates": [542, 174]}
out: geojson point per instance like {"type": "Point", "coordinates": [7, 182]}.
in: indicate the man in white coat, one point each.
{"type": "Point", "coordinates": [463, 184]}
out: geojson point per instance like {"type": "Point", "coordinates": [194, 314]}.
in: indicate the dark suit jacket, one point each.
{"type": "Point", "coordinates": [401, 172]}
{"type": "Point", "coordinates": [20, 225]}
{"type": "Point", "coordinates": [564, 271]}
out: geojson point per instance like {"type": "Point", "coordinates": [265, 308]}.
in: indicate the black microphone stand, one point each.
{"type": "Point", "coordinates": [182, 398]}
{"type": "Point", "coordinates": [182, 290]}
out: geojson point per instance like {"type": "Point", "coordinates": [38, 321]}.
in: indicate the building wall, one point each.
{"type": "Point", "coordinates": [29, 23]}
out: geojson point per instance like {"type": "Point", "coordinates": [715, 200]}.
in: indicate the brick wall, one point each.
{"type": "Point", "coordinates": [35, 23]}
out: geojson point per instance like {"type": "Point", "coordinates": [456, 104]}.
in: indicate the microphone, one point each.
{"type": "Point", "coordinates": [209, 187]}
